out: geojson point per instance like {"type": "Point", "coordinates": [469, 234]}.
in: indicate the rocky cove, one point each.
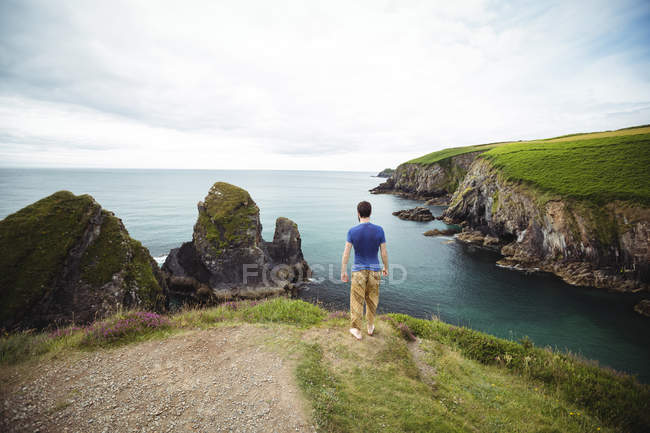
{"type": "Point", "coordinates": [585, 244]}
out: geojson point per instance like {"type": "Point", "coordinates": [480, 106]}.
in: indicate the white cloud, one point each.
{"type": "Point", "coordinates": [308, 85]}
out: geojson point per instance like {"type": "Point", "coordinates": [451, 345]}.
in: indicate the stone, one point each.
{"type": "Point", "coordinates": [419, 213]}
{"type": "Point", "coordinates": [643, 307]}
{"type": "Point", "coordinates": [443, 232]}
{"type": "Point", "coordinates": [227, 255]}
{"type": "Point", "coordinates": [65, 259]}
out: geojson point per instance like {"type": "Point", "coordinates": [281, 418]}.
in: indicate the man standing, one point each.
{"type": "Point", "coordinates": [367, 239]}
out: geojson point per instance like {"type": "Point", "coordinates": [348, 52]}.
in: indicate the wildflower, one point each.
{"type": "Point", "coordinates": [571, 413]}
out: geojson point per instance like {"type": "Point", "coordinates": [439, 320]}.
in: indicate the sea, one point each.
{"type": "Point", "coordinates": [430, 276]}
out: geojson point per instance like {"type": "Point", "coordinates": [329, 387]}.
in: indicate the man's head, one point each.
{"type": "Point", "coordinates": [364, 209]}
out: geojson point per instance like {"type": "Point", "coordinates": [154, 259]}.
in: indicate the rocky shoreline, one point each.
{"type": "Point", "coordinates": [604, 247]}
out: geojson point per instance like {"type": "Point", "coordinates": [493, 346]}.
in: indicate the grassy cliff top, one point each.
{"type": "Point", "coordinates": [598, 170]}
{"type": "Point", "coordinates": [433, 157]}
{"type": "Point", "coordinates": [598, 166]}
{"type": "Point", "coordinates": [449, 379]}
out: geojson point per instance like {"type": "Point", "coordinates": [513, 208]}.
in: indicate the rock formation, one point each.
{"type": "Point", "coordinates": [584, 244]}
{"type": "Point", "coordinates": [387, 172]}
{"type": "Point", "coordinates": [443, 232]}
{"type": "Point", "coordinates": [643, 307]}
{"type": "Point", "coordinates": [419, 213]}
{"type": "Point", "coordinates": [227, 256]}
{"type": "Point", "coordinates": [65, 259]}
{"type": "Point", "coordinates": [426, 182]}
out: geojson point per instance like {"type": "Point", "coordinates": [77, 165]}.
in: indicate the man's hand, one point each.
{"type": "Point", "coordinates": [344, 276]}
{"type": "Point", "coordinates": [384, 272]}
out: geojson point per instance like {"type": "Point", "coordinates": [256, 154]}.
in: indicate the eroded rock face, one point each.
{"type": "Point", "coordinates": [65, 259]}
{"type": "Point", "coordinates": [586, 245]}
{"type": "Point", "coordinates": [419, 213]}
{"type": "Point", "coordinates": [227, 256]}
{"type": "Point", "coordinates": [425, 182]}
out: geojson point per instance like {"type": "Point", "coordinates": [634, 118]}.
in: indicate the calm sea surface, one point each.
{"type": "Point", "coordinates": [462, 285]}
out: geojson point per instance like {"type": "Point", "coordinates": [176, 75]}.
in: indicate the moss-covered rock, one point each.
{"type": "Point", "coordinates": [227, 252]}
{"type": "Point", "coordinates": [65, 259]}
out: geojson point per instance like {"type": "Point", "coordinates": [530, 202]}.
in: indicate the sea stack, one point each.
{"type": "Point", "coordinates": [64, 259]}
{"type": "Point", "coordinates": [227, 256]}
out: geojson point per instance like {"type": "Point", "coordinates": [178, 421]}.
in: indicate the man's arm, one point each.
{"type": "Point", "coordinates": [384, 258]}
{"type": "Point", "coordinates": [344, 262]}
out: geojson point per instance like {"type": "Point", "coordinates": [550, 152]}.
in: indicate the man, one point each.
{"type": "Point", "coordinates": [367, 239]}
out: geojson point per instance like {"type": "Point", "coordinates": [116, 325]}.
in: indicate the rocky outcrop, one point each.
{"type": "Point", "coordinates": [602, 246]}
{"type": "Point", "coordinates": [227, 256]}
{"type": "Point", "coordinates": [643, 307]}
{"type": "Point", "coordinates": [387, 172]}
{"type": "Point", "coordinates": [424, 182]}
{"type": "Point", "coordinates": [419, 213]}
{"type": "Point", "coordinates": [65, 259]}
{"type": "Point", "coordinates": [443, 232]}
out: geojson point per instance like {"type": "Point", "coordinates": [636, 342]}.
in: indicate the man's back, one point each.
{"type": "Point", "coordinates": [366, 239]}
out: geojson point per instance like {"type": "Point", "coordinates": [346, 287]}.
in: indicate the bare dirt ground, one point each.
{"type": "Point", "coordinates": [216, 380]}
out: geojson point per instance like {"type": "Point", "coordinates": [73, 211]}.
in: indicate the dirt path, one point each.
{"type": "Point", "coordinates": [217, 380]}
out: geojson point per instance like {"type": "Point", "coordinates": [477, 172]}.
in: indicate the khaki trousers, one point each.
{"type": "Point", "coordinates": [364, 287]}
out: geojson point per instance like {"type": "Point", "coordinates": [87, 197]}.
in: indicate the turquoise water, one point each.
{"type": "Point", "coordinates": [458, 283]}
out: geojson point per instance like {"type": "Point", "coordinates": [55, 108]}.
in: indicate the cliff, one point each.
{"type": "Point", "coordinates": [227, 256]}
{"type": "Point", "coordinates": [387, 172]}
{"type": "Point", "coordinates": [588, 245]}
{"type": "Point", "coordinates": [577, 206]}
{"type": "Point", "coordinates": [65, 259]}
{"type": "Point", "coordinates": [437, 180]}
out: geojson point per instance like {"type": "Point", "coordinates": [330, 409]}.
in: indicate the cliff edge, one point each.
{"type": "Point", "coordinates": [577, 206]}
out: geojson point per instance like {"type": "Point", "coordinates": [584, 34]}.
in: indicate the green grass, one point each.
{"type": "Point", "coordinates": [615, 398]}
{"type": "Point", "coordinates": [462, 380]}
{"type": "Point", "coordinates": [433, 157]}
{"type": "Point", "coordinates": [597, 170]}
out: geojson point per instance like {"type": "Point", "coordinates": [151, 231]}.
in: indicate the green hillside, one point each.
{"type": "Point", "coordinates": [599, 167]}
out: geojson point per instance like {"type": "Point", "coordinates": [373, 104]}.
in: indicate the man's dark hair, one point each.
{"type": "Point", "coordinates": [364, 209]}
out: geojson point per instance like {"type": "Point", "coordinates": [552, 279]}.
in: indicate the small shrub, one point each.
{"type": "Point", "coordinates": [123, 327]}
{"type": "Point", "coordinates": [334, 315]}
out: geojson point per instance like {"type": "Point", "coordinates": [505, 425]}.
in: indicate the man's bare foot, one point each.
{"type": "Point", "coordinates": [356, 333]}
{"type": "Point", "coordinates": [371, 329]}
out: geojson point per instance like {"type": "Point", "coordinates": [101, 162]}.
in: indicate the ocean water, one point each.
{"type": "Point", "coordinates": [433, 275]}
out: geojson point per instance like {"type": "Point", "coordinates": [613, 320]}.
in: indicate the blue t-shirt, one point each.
{"type": "Point", "coordinates": [366, 238]}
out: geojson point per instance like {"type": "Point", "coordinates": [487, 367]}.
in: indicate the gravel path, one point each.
{"type": "Point", "coordinates": [216, 380]}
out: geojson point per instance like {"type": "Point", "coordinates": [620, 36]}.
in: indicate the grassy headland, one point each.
{"type": "Point", "coordinates": [449, 379]}
{"type": "Point", "coordinates": [597, 167]}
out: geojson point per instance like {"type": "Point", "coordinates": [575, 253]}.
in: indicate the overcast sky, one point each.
{"type": "Point", "coordinates": [333, 85]}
